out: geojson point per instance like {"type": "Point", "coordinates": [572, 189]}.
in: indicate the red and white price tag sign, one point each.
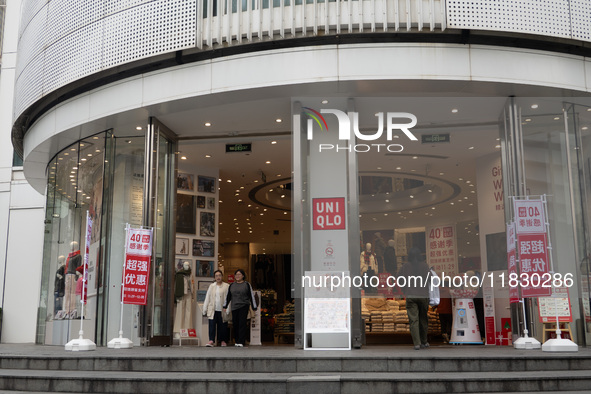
{"type": "Point", "coordinates": [534, 263]}
{"type": "Point", "coordinates": [529, 217]}
{"type": "Point", "coordinates": [136, 272]}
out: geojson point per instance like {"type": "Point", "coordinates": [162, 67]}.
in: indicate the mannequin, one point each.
{"type": "Point", "coordinates": [59, 284]}
{"type": "Point", "coordinates": [72, 263]}
{"type": "Point", "coordinates": [183, 294]}
{"type": "Point", "coordinates": [390, 263]}
{"type": "Point", "coordinates": [368, 261]}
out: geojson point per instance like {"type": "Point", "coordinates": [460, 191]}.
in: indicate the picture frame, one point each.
{"type": "Point", "coordinates": [204, 268]}
{"type": "Point", "coordinates": [201, 202]}
{"type": "Point", "coordinates": [182, 246]}
{"type": "Point", "coordinates": [201, 294]}
{"type": "Point", "coordinates": [204, 284]}
{"type": "Point", "coordinates": [180, 262]}
{"type": "Point", "coordinates": [207, 224]}
{"type": "Point", "coordinates": [203, 248]}
{"type": "Point", "coordinates": [205, 184]}
{"type": "Point", "coordinates": [186, 214]}
{"type": "Point", "coordinates": [185, 182]}
{"type": "Point", "coordinates": [211, 203]}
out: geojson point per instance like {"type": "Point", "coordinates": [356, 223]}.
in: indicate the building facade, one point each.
{"type": "Point", "coordinates": [226, 125]}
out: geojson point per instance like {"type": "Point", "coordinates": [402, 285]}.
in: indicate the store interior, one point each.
{"type": "Point", "coordinates": [431, 182]}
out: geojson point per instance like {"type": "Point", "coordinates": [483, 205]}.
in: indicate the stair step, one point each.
{"type": "Point", "coordinates": [292, 383]}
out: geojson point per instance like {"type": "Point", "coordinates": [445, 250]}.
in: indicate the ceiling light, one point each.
{"type": "Point", "coordinates": [183, 157]}
{"type": "Point", "coordinates": [584, 128]}
{"type": "Point", "coordinates": [454, 111]}
{"type": "Point", "coordinates": [534, 106]}
{"type": "Point", "coordinates": [278, 120]}
{"type": "Point", "coordinates": [89, 155]}
{"type": "Point", "coordinates": [497, 146]}
{"type": "Point", "coordinates": [442, 173]}
{"type": "Point", "coordinates": [229, 181]}
{"type": "Point", "coordinates": [555, 118]}
{"type": "Point", "coordinates": [66, 154]}
{"type": "Point", "coordinates": [207, 124]}
{"type": "Point", "coordinates": [267, 162]}
{"type": "Point", "coordinates": [387, 200]}
{"type": "Point", "coordinates": [471, 147]}
{"type": "Point", "coordinates": [273, 142]}
{"type": "Point", "coordinates": [498, 139]}
{"type": "Point", "coordinates": [95, 138]}
{"type": "Point", "coordinates": [411, 196]}
{"type": "Point", "coordinates": [207, 156]}
{"type": "Point", "coordinates": [138, 127]}
{"type": "Point", "coordinates": [129, 141]}
{"type": "Point", "coordinates": [415, 157]}
{"type": "Point", "coordinates": [379, 168]}
{"type": "Point", "coordinates": [399, 168]}
{"type": "Point", "coordinates": [528, 120]}
{"type": "Point", "coordinates": [325, 101]}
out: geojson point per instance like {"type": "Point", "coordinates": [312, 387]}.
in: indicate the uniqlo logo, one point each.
{"type": "Point", "coordinates": [522, 212]}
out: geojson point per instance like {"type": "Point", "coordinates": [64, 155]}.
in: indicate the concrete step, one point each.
{"type": "Point", "coordinates": [292, 383]}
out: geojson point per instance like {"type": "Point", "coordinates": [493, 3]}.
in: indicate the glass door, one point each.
{"type": "Point", "coordinates": [159, 212]}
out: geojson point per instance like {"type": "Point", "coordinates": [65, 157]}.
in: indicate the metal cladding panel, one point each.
{"type": "Point", "coordinates": [149, 29]}
{"type": "Point", "coordinates": [32, 41]}
{"type": "Point", "coordinates": [581, 19]}
{"type": "Point", "coordinates": [66, 16]}
{"type": "Point", "coordinates": [30, 8]}
{"type": "Point", "coordinates": [547, 17]}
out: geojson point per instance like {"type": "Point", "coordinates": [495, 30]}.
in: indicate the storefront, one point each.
{"type": "Point", "coordinates": [398, 172]}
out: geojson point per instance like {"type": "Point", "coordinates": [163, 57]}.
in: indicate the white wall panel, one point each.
{"type": "Point", "coordinates": [23, 275]}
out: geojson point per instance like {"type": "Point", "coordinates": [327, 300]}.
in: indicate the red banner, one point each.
{"type": "Point", "coordinates": [512, 266]}
{"type": "Point", "coordinates": [84, 294]}
{"type": "Point", "coordinates": [136, 271]}
{"type": "Point", "coordinates": [534, 263]}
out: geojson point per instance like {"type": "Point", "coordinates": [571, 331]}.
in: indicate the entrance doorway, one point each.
{"type": "Point", "coordinates": [234, 212]}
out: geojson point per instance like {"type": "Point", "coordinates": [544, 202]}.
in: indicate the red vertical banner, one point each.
{"type": "Point", "coordinates": [534, 262]}
{"type": "Point", "coordinates": [136, 271]}
{"type": "Point", "coordinates": [84, 294]}
{"type": "Point", "coordinates": [442, 249]}
{"type": "Point", "coordinates": [512, 266]}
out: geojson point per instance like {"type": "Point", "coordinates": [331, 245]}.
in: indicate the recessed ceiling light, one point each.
{"type": "Point", "coordinates": [138, 127]}
{"type": "Point", "coordinates": [267, 162]}
{"type": "Point", "coordinates": [584, 128]}
{"type": "Point", "coordinates": [471, 147]}
{"type": "Point", "coordinates": [207, 124]}
{"type": "Point", "coordinates": [207, 156]}
{"type": "Point", "coordinates": [324, 101]}
{"type": "Point", "coordinates": [273, 142]}
{"type": "Point", "coordinates": [534, 106]}
{"type": "Point", "coordinates": [278, 120]}
{"type": "Point", "coordinates": [415, 157]}
{"type": "Point", "coordinates": [229, 181]}
{"type": "Point", "coordinates": [497, 146]}
{"type": "Point", "coordinates": [454, 111]}
{"type": "Point", "coordinates": [442, 173]}
{"type": "Point", "coordinates": [588, 109]}
{"type": "Point", "coordinates": [399, 168]}
{"type": "Point", "coordinates": [379, 168]}
{"type": "Point", "coordinates": [555, 118]}
{"type": "Point", "coordinates": [528, 120]}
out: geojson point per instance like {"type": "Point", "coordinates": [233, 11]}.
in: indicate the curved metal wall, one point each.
{"type": "Point", "coordinates": [62, 41]}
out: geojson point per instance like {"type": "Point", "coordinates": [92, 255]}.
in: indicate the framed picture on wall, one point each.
{"type": "Point", "coordinates": [204, 284]}
{"type": "Point", "coordinates": [201, 202]}
{"type": "Point", "coordinates": [207, 224]}
{"type": "Point", "coordinates": [211, 203]}
{"type": "Point", "coordinates": [181, 262]}
{"type": "Point", "coordinates": [182, 246]}
{"type": "Point", "coordinates": [206, 184]}
{"type": "Point", "coordinates": [186, 214]}
{"type": "Point", "coordinates": [204, 268]}
{"type": "Point", "coordinates": [202, 248]}
{"type": "Point", "coordinates": [185, 182]}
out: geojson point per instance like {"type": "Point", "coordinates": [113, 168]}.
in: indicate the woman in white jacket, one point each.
{"type": "Point", "coordinates": [212, 308]}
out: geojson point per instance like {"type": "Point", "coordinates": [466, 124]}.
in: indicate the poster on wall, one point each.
{"type": "Point", "coordinates": [200, 202]}
{"type": "Point", "coordinates": [186, 214]}
{"type": "Point", "coordinates": [205, 184]}
{"type": "Point", "coordinates": [441, 249]}
{"type": "Point", "coordinates": [204, 268]}
{"type": "Point", "coordinates": [207, 224]}
{"type": "Point", "coordinates": [182, 246]}
{"type": "Point", "coordinates": [202, 248]}
{"type": "Point", "coordinates": [185, 182]}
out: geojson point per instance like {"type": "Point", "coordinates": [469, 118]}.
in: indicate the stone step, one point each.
{"type": "Point", "coordinates": [292, 383]}
{"type": "Point", "coordinates": [244, 362]}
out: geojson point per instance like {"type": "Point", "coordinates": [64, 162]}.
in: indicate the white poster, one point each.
{"type": "Point", "coordinates": [442, 253]}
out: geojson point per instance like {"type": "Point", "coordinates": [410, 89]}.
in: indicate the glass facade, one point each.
{"type": "Point", "coordinates": [459, 176]}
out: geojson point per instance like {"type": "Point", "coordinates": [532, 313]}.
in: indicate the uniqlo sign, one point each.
{"type": "Point", "coordinates": [136, 271]}
{"type": "Point", "coordinates": [533, 259]}
{"type": "Point", "coordinates": [328, 213]}
{"type": "Point", "coordinates": [529, 217]}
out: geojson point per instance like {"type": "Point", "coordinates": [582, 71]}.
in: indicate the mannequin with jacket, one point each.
{"type": "Point", "coordinates": [183, 295]}
{"type": "Point", "coordinates": [368, 261]}
{"type": "Point", "coordinates": [212, 308]}
{"type": "Point", "coordinates": [59, 285]}
{"type": "Point", "coordinates": [73, 261]}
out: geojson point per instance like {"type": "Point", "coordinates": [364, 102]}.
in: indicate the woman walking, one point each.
{"type": "Point", "coordinates": [241, 296]}
{"type": "Point", "coordinates": [212, 308]}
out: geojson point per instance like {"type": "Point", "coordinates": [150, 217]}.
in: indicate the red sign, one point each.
{"type": "Point", "coordinates": [529, 216]}
{"type": "Point", "coordinates": [136, 271]}
{"type": "Point", "coordinates": [86, 253]}
{"type": "Point", "coordinates": [135, 281]}
{"type": "Point", "coordinates": [489, 322]}
{"type": "Point", "coordinates": [533, 261]}
{"type": "Point", "coordinates": [328, 213]}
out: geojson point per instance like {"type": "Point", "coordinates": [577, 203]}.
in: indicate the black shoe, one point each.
{"type": "Point", "coordinates": [417, 347]}
{"type": "Point", "coordinates": [424, 345]}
